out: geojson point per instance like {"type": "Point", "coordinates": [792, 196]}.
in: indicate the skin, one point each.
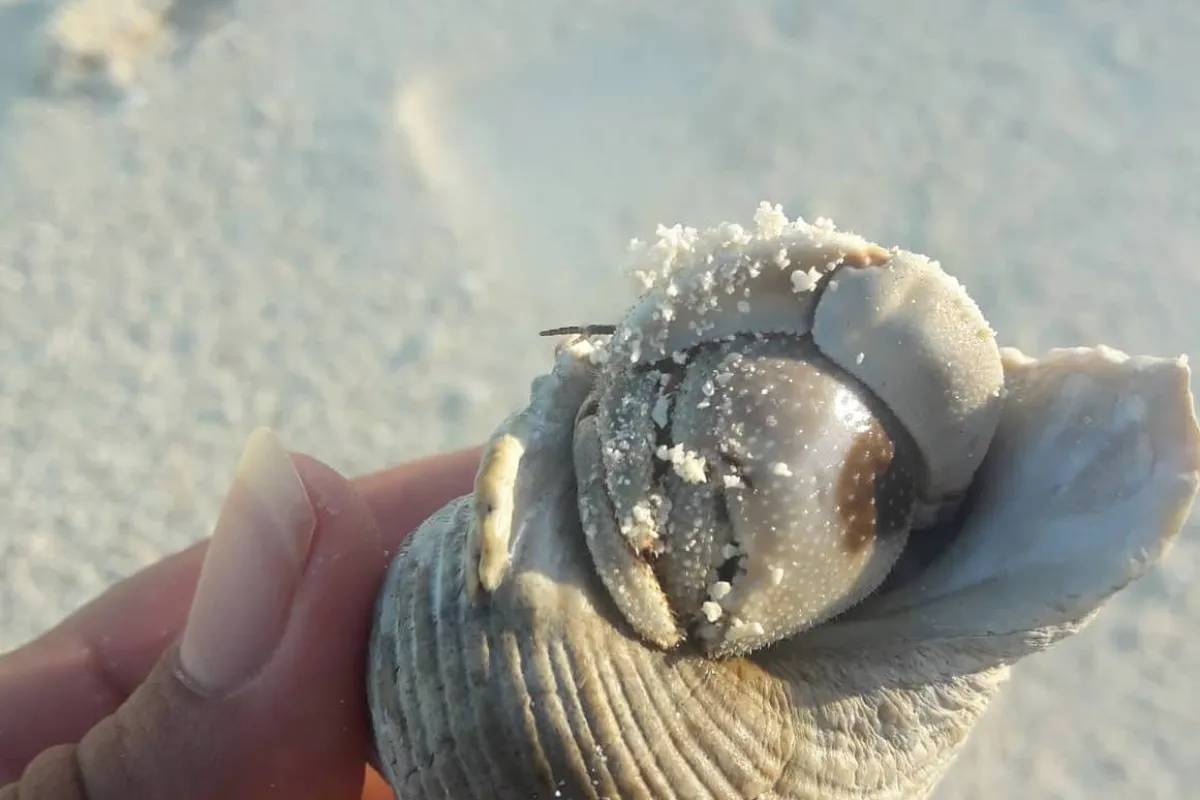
{"type": "Point", "coordinates": [103, 713]}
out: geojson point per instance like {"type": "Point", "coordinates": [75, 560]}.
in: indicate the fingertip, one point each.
{"type": "Point", "coordinates": [333, 495]}
{"type": "Point", "coordinates": [346, 531]}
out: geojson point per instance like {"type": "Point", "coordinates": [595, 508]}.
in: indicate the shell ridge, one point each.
{"type": "Point", "coordinates": [590, 749]}
{"type": "Point", "coordinates": [596, 706]}
{"type": "Point", "coordinates": [476, 668]}
{"type": "Point", "coordinates": [384, 684]}
{"type": "Point", "coordinates": [697, 768]}
{"type": "Point", "coordinates": [447, 580]}
{"type": "Point", "coordinates": [422, 597]}
{"type": "Point", "coordinates": [624, 734]}
{"type": "Point", "coordinates": [659, 763]}
{"type": "Point", "coordinates": [745, 759]}
{"type": "Point", "coordinates": [523, 719]}
{"type": "Point", "coordinates": [867, 731]}
{"type": "Point", "coordinates": [549, 711]}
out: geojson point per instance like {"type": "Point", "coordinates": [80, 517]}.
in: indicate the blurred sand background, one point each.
{"type": "Point", "coordinates": [348, 220]}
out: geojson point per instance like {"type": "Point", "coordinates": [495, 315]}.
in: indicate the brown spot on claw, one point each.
{"type": "Point", "coordinates": [866, 464]}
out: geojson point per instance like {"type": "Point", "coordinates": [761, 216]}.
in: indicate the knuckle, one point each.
{"type": "Point", "coordinates": [55, 774]}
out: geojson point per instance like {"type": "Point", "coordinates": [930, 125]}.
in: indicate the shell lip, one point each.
{"type": "Point", "coordinates": [1093, 474]}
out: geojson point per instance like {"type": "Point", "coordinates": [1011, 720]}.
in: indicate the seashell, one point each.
{"type": "Point", "coordinates": [778, 533]}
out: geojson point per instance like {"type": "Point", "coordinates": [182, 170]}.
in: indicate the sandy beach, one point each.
{"type": "Point", "coordinates": [348, 221]}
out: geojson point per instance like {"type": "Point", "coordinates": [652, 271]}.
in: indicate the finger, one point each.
{"type": "Point", "coordinates": [403, 497]}
{"type": "Point", "coordinates": [267, 681]}
{"type": "Point", "coordinates": [54, 689]}
{"type": "Point", "coordinates": [62, 684]}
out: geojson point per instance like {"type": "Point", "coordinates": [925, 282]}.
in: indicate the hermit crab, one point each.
{"type": "Point", "coordinates": [778, 533]}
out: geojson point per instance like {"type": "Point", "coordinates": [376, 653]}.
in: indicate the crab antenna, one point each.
{"type": "Point", "coordinates": [585, 330]}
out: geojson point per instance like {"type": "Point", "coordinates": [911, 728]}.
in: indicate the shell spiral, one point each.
{"type": "Point", "coordinates": [667, 580]}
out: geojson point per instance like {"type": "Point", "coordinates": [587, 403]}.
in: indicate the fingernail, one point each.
{"type": "Point", "coordinates": [253, 566]}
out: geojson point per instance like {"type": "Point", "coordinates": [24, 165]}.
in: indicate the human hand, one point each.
{"type": "Point", "coordinates": [257, 688]}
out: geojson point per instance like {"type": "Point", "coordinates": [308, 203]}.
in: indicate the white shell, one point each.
{"type": "Point", "coordinates": [502, 667]}
{"type": "Point", "coordinates": [532, 687]}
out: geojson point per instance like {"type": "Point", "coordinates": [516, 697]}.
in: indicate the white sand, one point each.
{"type": "Point", "coordinates": [323, 216]}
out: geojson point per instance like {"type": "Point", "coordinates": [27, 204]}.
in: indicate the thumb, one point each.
{"type": "Point", "coordinates": [263, 696]}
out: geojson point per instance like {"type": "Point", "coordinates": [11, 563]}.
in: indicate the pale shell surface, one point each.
{"type": "Point", "coordinates": [530, 642]}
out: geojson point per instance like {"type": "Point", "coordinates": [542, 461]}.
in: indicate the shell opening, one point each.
{"type": "Point", "coordinates": [771, 416]}
{"type": "Point", "coordinates": [717, 471]}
